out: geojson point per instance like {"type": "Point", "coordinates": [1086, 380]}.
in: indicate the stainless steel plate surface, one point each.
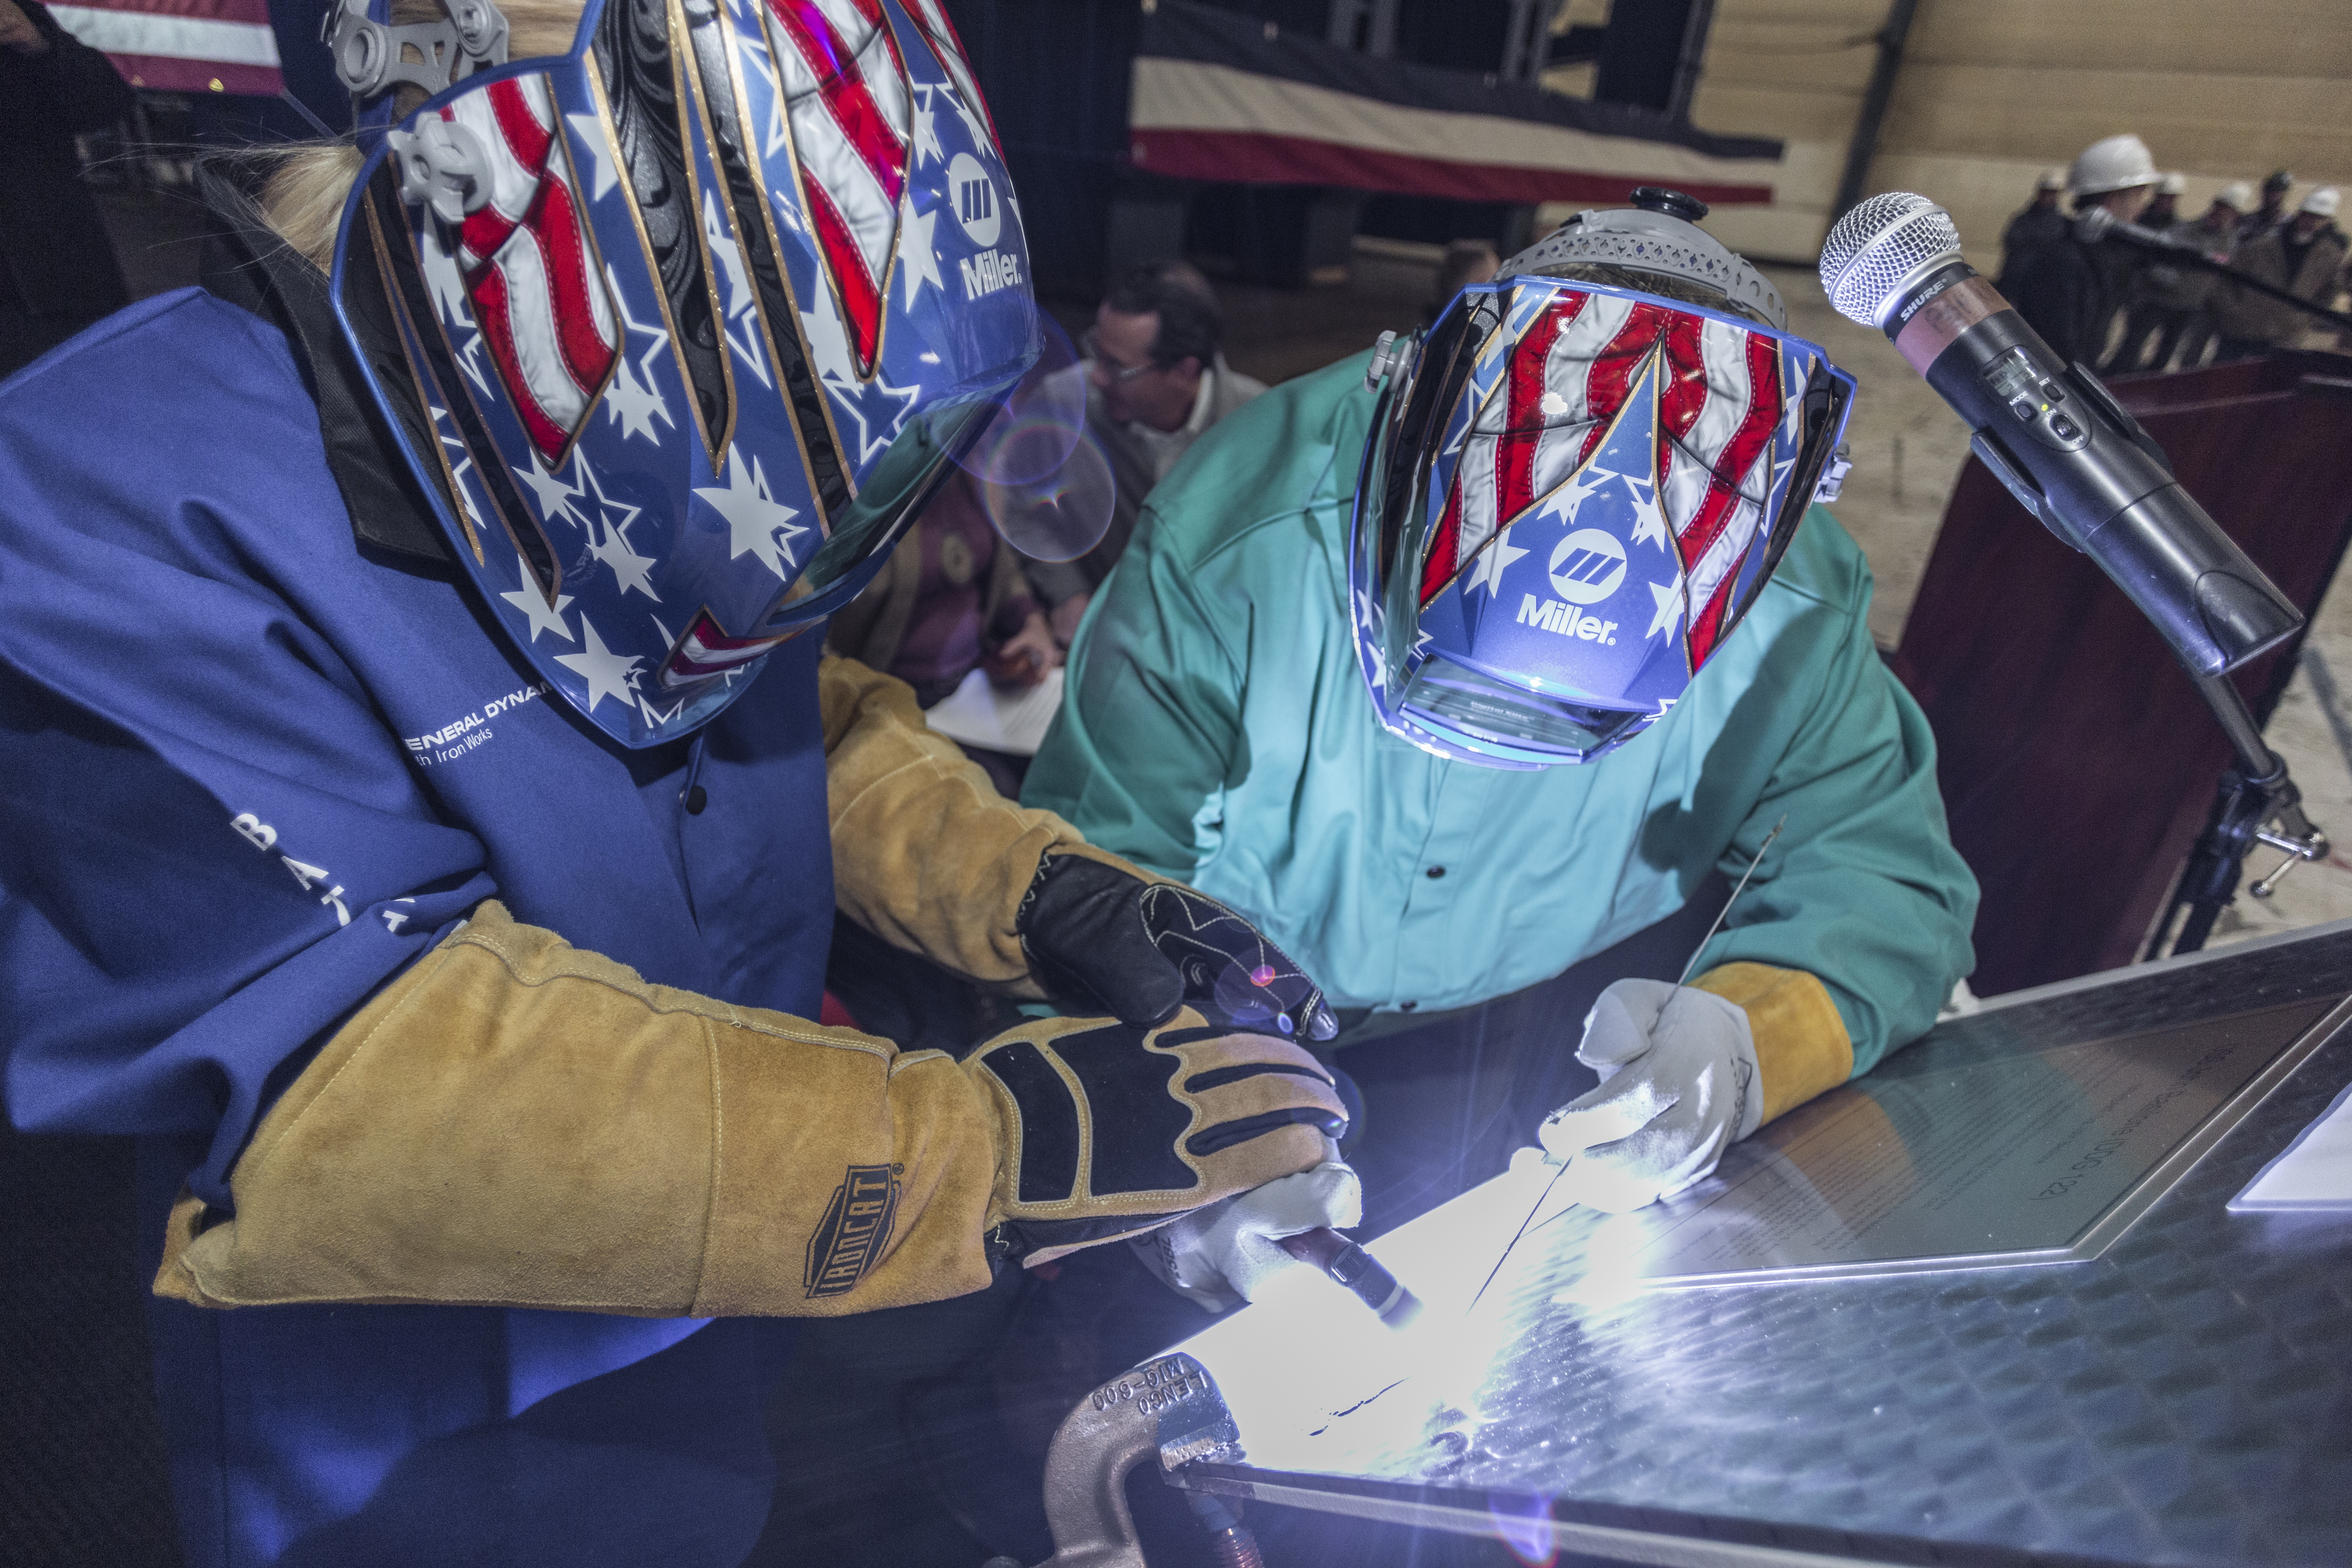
{"type": "Point", "coordinates": [2179, 1393]}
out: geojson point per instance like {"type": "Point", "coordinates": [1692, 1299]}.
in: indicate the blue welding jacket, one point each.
{"type": "Point", "coordinates": [248, 770]}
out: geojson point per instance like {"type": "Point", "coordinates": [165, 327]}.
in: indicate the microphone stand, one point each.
{"type": "Point", "coordinates": [2258, 803]}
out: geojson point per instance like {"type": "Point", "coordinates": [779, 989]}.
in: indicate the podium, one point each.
{"type": "Point", "coordinates": [2076, 761]}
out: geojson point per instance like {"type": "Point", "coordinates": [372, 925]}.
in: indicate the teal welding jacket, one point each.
{"type": "Point", "coordinates": [1217, 729]}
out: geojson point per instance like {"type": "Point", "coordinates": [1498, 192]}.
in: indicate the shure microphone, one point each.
{"type": "Point", "coordinates": [2052, 433]}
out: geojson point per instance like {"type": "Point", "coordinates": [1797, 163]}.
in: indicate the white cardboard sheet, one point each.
{"type": "Point", "coordinates": [2311, 1175]}
{"type": "Point", "coordinates": [981, 713]}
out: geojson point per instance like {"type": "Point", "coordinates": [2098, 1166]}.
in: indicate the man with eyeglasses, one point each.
{"type": "Point", "coordinates": [1155, 380]}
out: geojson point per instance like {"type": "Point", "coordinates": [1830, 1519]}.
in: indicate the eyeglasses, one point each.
{"type": "Point", "coordinates": [1119, 375]}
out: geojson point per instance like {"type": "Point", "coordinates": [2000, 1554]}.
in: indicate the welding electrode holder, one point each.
{"type": "Point", "coordinates": [1349, 1266]}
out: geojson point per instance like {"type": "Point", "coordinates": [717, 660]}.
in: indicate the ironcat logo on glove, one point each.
{"type": "Point", "coordinates": [856, 1227]}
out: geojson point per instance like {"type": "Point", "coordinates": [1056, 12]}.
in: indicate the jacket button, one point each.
{"type": "Point", "coordinates": [696, 799]}
{"type": "Point", "coordinates": [1407, 1006]}
{"type": "Point", "coordinates": [1435, 872]}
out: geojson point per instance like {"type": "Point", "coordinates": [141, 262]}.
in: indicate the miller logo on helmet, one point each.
{"type": "Point", "coordinates": [1587, 566]}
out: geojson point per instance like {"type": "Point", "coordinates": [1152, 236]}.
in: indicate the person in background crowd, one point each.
{"type": "Point", "coordinates": [2034, 225]}
{"type": "Point", "coordinates": [1467, 261]}
{"type": "Point", "coordinates": [2068, 291]}
{"type": "Point", "coordinates": [2304, 257]}
{"type": "Point", "coordinates": [953, 600]}
{"type": "Point", "coordinates": [2131, 278]}
{"type": "Point", "coordinates": [1155, 378]}
{"type": "Point", "coordinates": [2173, 300]}
{"type": "Point", "coordinates": [2271, 214]}
{"type": "Point", "coordinates": [58, 272]}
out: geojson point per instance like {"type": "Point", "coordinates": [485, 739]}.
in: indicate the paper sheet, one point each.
{"type": "Point", "coordinates": [2313, 1174]}
{"type": "Point", "coordinates": [981, 713]}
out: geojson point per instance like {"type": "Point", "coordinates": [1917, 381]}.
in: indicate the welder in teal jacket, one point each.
{"type": "Point", "coordinates": [1219, 728]}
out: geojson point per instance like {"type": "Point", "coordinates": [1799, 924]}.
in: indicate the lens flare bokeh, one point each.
{"type": "Point", "coordinates": [1046, 484]}
{"type": "Point", "coordinates": [1061, 515]}
{"type": "Point", "coordinates": [1038, 423]}
{"type": "Point", "coordinates": [1248, 997]}
{"type": "Point", "coordinates": [1529, 1535]}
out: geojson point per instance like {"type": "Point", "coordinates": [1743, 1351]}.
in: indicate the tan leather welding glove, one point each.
{"type": "Point", "coordinates": [516, 1122]}
{"type": "Point", "coordinates": [1802, 1047]}
{"type": "Point", "coordinates": [926, 854]}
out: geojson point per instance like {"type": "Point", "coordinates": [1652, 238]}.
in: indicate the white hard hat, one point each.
{"type": "Point", "coordinates": [2171, 185]}
{"type": "Point", "coordinates": [2112, 163]}
{"type": "Point", "coordinates": [2237, 196]}
{"type": "Point", "coordinates": [2053, 179]}
{"type": "Point", "coordinates": [2323, 202]}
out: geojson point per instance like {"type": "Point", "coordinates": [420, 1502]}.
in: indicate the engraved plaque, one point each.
{"type": "Point", "coordinates": [1966, 1152]}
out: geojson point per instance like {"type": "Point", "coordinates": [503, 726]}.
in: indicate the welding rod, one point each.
{"type": "Point", "coordinates": [1352, 1267]}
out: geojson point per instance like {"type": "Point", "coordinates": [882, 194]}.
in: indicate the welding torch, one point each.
{"type": "Point", "coordinates": [1343, 1261]}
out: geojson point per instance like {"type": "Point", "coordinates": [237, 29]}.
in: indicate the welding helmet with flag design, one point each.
{"type": "Point", "coordinates": [1577, 482]}
{"type": "Point", "coordinates": [681, 328]}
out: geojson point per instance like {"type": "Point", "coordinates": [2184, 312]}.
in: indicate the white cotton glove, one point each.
{"type": "Point", "coordinates": [1220, 1256]}
{"type": "Point", "coordinates": [1678, 1082]}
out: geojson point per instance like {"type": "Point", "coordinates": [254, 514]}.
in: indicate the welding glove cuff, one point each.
{"type": "Point", "coordinates": [1106, 938]}
{"type": "Point", "coordinates": [1220, 1255]}
{"type": "Point", "coordinates": [1105, 1129]}
{"type": "Point", "coordinates": [1678, 1083]}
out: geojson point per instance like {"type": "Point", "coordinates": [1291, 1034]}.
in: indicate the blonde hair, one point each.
{"type": "Point", "coordinates": [307, 186]}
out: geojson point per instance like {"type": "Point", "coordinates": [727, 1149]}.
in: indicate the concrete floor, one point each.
{"type": "Point", "coordinates": [1908, 448]}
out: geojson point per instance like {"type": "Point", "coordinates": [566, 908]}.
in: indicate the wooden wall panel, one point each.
{"type": "Point", "coordinates": [1992, 91]}
{"type": "Point", "coordinates": [2257, 38]}
{"type": "Point", "coordinates": [2188, 120]}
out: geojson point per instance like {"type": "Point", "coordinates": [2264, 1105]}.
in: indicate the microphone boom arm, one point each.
{"type": "Point", "coordinates": [2100, 226]}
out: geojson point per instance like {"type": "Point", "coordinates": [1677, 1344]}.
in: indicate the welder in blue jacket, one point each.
{"type": "Point", "coordinates": [1456, 668]}
{"type": "Point", "coordinates": [422, 820]}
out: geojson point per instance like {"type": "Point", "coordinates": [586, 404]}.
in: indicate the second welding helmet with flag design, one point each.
{"type": "Point", "coordinates": [679, 328]}
{"type": "Point", "coordinates": [1578, 481]}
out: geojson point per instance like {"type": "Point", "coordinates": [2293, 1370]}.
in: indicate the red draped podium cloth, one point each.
{"type": "Point", "coordinates": [182, 45]}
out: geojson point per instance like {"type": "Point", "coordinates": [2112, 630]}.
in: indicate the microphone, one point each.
{"type": "Point", "coordinates": [2052, 433]}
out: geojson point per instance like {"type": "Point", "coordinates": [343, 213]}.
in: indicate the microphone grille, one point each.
{"type": "Point", "coordinates": [1882, 241]}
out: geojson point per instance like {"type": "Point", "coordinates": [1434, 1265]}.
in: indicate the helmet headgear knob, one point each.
{"type": "Point", "coordinates": [1672, 203]}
